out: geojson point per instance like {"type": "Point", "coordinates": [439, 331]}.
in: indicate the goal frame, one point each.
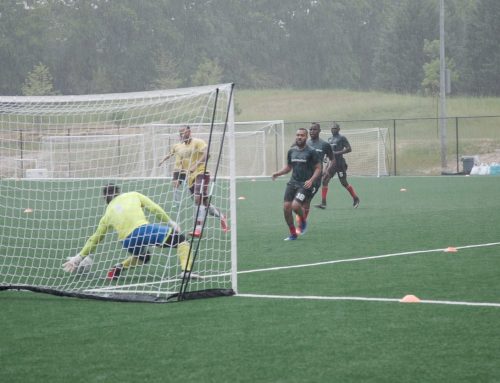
{"type": "Point", "coordinates": [21, 116]}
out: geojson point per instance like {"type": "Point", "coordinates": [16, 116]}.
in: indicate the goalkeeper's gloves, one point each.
{"type": "Point", "coordinates": [72, 263]}
{"type": "Point", "coordinates": [85, 265]}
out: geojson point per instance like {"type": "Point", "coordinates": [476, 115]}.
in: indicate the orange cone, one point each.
{"type": "Point", "coordinates": [451, 250]}
{"type": "Point", "coordinates": [410, 299]}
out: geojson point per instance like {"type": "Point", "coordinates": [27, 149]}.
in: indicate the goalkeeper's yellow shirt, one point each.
{"type": "Point", "coordinates": [187, 154]}
{"type": "Point", "coordinates": [124, 214]}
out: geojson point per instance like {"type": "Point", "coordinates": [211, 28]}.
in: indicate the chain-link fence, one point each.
{"type": "Point", "coordinates": [419, 146]}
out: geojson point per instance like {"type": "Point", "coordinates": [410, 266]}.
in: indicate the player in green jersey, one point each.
{"type": "Point", "coordinates": [340, 146]}
{"type": "Point", "coordinates": [324, 151]}
{"type": "Point", "coordinates": [305, 165]}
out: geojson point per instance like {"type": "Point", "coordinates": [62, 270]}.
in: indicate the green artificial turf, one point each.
{"type": "Point", "coordinates": [291, 338]}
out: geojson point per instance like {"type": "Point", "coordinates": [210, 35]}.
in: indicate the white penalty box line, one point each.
{"type": "Point", "coordinates": [398, 300]}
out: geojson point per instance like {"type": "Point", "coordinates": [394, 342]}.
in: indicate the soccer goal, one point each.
{"type": "Point", "coordinates": [258, 145]}
{"type": "Point", "coordinates": [56, 155]}
{"type": "Point", "coordinates": [369, 157]}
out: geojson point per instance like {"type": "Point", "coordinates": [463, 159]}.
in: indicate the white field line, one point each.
{"type": "Point", "coordinates": [328, 298]}
{"type": "Point", "coordinates": [332, 298]}
{"type": "Point", "coordinates": [364, 258]}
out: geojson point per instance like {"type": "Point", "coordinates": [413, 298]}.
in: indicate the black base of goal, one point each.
{"type": "Point", "coordinates": [127, 297]}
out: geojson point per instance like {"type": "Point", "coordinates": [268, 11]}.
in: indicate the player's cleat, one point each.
{"type": "Point", "coordinates": [303, 227]}
{"type": "Point", "coordinates": [321, 206]}
{"type": "Point", "coordinates": [189, 274]}
{"type": "Point", "coordinates": [223, 223]}
{"type": "Point", "coordinates": [115, 272]}
{"type": "Point", "coordinates": [355, 202]}
{"type": "Point", "coordinates": [196, 233]}
{"type": "Point", "coordinates": [292, 237]}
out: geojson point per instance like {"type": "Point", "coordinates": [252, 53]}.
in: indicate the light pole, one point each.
{"type": "Point", "coordinates": [442, 89]}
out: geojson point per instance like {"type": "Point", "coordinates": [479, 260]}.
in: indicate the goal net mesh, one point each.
{"type": "Point", "coordinates": [259, 146]}
{"type": "Point", "coordinates": [369, 156]}
{"type": "Point", "coordinates": [58, 152]}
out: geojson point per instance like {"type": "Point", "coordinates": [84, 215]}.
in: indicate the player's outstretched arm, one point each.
{"type": "Point", "coordinates": [164, 159]}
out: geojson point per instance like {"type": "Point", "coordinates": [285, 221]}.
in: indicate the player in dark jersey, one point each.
{"type": "Point", "coordinates": [325, 153]}
{"type": "Point", "coordinates": [305, 165]}
{"type": "Point", "coordinates": [340, 146]}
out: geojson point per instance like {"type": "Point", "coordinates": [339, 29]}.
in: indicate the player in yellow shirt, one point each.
{"type": "Point", "coordinates": [179, 173]}
{"type": "Point", "coordinates": [125, 214]}
{"type": "Point", "coordinates": [190, 157]}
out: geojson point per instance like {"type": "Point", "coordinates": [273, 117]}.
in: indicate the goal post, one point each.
{"type": "Point", "coordinates": [369, 151]}
{"type": "Point", "coordinates": [58, 152]}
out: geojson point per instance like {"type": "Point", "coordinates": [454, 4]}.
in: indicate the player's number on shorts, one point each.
{"type": "Point", "coordinates": [301, 197]}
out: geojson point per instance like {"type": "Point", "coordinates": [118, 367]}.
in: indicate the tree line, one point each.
{"type": "Point", "coordinates": [101, 46]}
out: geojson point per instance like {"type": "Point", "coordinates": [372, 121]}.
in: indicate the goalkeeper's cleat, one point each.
{"type": "Point", "coordinates": [355, 202]}
{"type": "Point", "coordinates": [196, 233]}
{"type": "Point", "coordinates": [292, 237]}
{"type": "Point", "coordinates": [223, 223]}
{"type": "Point", "coordinates": [115, 272]}
{"type": "Point", "coordinates": [321, 206]}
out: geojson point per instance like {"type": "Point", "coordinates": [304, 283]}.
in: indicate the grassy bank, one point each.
{"type": "Point", "coordinates": [310, 105]}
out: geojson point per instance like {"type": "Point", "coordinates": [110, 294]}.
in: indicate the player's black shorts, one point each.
{"type": "Point", "coordinates": [340, 168]}
{"type": "Point", "coordinates": [299, 192]}
{"type": "Point", "coordinates": [179, 175]}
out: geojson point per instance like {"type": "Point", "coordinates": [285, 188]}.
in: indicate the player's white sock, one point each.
{"type": "Point", "coordinates": [201, 217]}
{"type": "Point", "coordinates": [212, 210]}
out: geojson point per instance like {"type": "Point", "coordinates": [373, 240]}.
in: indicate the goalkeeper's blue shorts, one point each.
{"type": "Point", "coordinates": [146, 235]}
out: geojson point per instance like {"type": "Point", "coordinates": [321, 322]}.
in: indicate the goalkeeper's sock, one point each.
{"type": "Point", "coordinates": [183, 253]}
{"type": "Point", "coordinates": [130, 262]}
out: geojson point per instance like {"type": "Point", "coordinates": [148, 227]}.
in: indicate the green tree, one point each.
{"type": "Point", "coordinates": [400, 56]}
{"type": "Point", "coordinates": [39, 82]}
{"type": "Point", "coordinates": [431, 81]}
{"type": "Point", "coordinates": [208, 72]}
{"type": "Point", "coordinates": [167, 73]}
{"type": "Point", "coordinates": [482, 53]}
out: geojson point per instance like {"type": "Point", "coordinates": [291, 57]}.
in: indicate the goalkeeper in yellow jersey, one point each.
{"type": "Point", "coordinates": [125, 214]}
{"type": "Point", "coordinates": [190, 157]}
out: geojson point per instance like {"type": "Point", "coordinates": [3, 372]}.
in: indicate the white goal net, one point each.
{"type": "Point", "coordinates": [258, 146]}
{"type": "Point", "coordinates": [58, 152]}
{"type": "Point", "coordinates": [369, 151]}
